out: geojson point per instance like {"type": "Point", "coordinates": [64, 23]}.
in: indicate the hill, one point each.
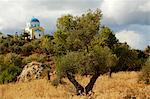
{"type": "Point", "coordinates": [122, 85]}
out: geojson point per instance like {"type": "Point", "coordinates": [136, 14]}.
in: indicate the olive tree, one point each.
{"type": "Point", "coordinates": [77, 52]}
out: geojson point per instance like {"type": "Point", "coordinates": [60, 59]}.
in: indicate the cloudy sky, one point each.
{"type": "Point", "coordinates": [129, 19]}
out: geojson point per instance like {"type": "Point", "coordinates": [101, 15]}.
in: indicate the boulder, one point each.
{"type": "Point", "coordinates": [34, 70]}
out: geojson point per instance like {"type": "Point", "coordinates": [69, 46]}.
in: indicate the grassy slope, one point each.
{"type": "Point", "coordinates": [122, 84]}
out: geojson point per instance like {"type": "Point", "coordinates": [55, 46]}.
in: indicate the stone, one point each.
{"type": "Point", "coordinates": [34, 70]}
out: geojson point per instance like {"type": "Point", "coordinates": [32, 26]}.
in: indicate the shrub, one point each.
{"type": "Point", "coordinates": [10, 67]}
{"type": "Point", "coordinates": [47, 45]}
{"type": "Point", "coordinates": [12, 59]}
{"type": "Point", "coordinates": [16, 49]}
{"type": "Point", "coordinates": [146, 72]}
{"type": "Point", "coordinates": [128, 59]}
{"type": "Point", "coordinates": [27, 49]}
{"type": "Point", "coordinates": [9, 74]}
{"type": "Point", "coordinates": [35, 57]}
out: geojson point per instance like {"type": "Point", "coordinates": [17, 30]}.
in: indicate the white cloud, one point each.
{"type": "Point", "coordinates": [134, 39]}
{"type": "Point", "coordinates": [145, 7]}
{"type": "Point", "coordinates": [130, 18]}
{"type": "Point", "coordinates": [126, 11]}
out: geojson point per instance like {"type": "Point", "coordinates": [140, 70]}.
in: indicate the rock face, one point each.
{"type": "Point", "coordinates": [34, 70]}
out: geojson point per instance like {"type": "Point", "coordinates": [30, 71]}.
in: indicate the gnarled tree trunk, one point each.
{"type": "Point", "coordinates": [90, 85]}
{"type": "Point", "coordinates": [79, 88]}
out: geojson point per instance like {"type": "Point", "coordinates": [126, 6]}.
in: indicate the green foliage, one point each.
{"type": "Point", "coordinates": [60, 46]}
{"type": "Point", "coordinates": [98, 60]}
{"type": "Point", "coordinates": [35, 57]}
{"type": "Point", "coordinates": [47, 45]}
{"type": "Point", "coordinates": [9, 74]}
{"type": "Point", "coordinates": [105, 38]}
{"type": "Point", "coordinates": [69, 62]}
{"type": "Point", "coordinates": [146, 72]}
{"type": "Point", "coordinates": [75, 33]}
{"type": "Point", "coordinates": [27, 49]}
{"type": "Point", "coordinates": [12, 59]}
{"type": "Point", "coordinates": [16, 49]}
{"type": "Point", "coordinates": [11, 44]}
{"type": "Point", "coordinates": [128, 58]}
{"type": "Point", "coordinates": [17, 45]}
{"type": "Point", "coordinates": [10, 67]}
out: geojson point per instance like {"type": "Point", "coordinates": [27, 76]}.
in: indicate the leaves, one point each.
{"type": "Point", "coordinates": [74, 33]}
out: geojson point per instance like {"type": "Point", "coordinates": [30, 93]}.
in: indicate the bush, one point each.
{"type": "Point", "coordinates": [35, 57]}
{"type": "Point", "coordinates": [9, 74]}
{"type": "Point", "coordinates": [27, 49]}
{"type": "Point", "coordinates": [10, 67]}
{"type": "Point", "coordinates": [16, 49]}
{"type": "Point", "coordinates": [146, 72]}
{"type": "Point", "coordinates": [47, 45]}
{"type": "Point", "coordinates": [128, 58]}
{"type": "Point", "coordinates": [12, 59]}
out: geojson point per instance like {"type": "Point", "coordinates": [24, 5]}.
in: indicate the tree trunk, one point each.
{"type": "Point", "coordinates": [110, 73]}
{"type": "Point", "coordinates": [3, 81]}
{"type": "Point", "coordinates": [48, 75]}
{"type": "Point", "coordinates": [79, 88]}
{"type": "Point", "coordinates": [90, 85]}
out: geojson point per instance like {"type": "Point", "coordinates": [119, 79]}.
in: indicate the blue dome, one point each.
{"type": "Point", "coordinates": [34, 20]}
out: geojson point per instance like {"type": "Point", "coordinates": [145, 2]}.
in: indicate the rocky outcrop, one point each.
{"type": "Point", "coordinates": [34, 70]}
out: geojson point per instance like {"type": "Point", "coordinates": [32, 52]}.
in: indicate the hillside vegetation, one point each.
{"type": "Point", "coordinates": [122, 85]}
{"type": "Point", "coordinates": [81, 47]}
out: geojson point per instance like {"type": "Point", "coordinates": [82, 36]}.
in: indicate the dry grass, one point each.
{"type": "Point", "coordinates": [122, 85]}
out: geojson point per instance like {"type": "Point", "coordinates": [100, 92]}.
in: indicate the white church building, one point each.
{"type": "Point", "coordinates": [34, 29]}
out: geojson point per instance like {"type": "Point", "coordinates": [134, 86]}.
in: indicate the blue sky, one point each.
{"type": "Point", "coordinates": [129, 19]}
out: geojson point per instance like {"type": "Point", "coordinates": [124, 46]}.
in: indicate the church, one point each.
{"type": "Point", "coordinates": [33, 29]}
